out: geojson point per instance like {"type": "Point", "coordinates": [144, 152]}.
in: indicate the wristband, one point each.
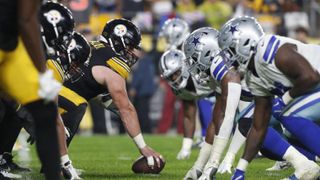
{"type": "Point", "coordinates": [139, 141]}
{"type": "Point", "coordinates": [242, 164]}
{"type": "Point", "coordinates": [287, 98]}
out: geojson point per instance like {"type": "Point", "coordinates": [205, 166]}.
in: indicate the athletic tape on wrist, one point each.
{"type": "Point", "coordinates": [139, 141]}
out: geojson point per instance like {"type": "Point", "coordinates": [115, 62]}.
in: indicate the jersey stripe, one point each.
{"type": "Point", "coordinates": [222, 73]}
{"type": "Point", "coordinates": [268, 49]}
{"type": "Point", "coordinates": [218, 68]}
{"type": "Point", "coordinates": [275, 49]}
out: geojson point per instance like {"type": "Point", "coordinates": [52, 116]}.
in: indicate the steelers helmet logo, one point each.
{"type": "Point", "coordinates": [72, 45]}
{"type": "Point", "coordinates": [53, 17]}
{"type": "Point", "coordinates": [120, 30]}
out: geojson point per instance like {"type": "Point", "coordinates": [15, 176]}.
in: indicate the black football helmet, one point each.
{"type": "Point", "coordinates": [124, 38]}
{"type": "Point", "coordinates": [73, 51]}
{"type": "Point", "coordinates": [56, 20]}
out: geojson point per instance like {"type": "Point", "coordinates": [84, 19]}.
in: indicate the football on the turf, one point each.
{"type": "Point", "coordinates": [141, 166]}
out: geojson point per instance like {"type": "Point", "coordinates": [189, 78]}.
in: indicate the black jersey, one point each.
{"type": "Point", "coordinates": [8, 25]}
{"type": "Point", "coordinates": [87, 87]}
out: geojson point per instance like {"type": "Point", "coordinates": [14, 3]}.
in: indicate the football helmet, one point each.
{"type": "Point", "coordinates": [173, 68]}
{"type": "Point", "coordinates": [73, 52]}
{"type": "Point", "coordinates": [175, 31]}
{"type": "Point", "coordinates": [199, 48]}
{"type": "Point", "coordinates": [56, 20]}
{"type": "Point", "coordinates": [124, 38]}
{"type": "Point", "coordinates": [239, 38]}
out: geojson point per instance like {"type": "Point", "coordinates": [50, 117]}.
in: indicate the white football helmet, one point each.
{"type": "Point", "coordinates": [239, 38]}
{"type": "Point", "coordinates": [200, 47]}
{"type": "Point", "coordinates": [173, 68]}
{"type": "Point", "coordinates": [175, 31]}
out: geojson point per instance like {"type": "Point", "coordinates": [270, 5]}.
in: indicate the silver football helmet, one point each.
{"type": "Point", "coordinates": [175, 31]}
{"type": "Point", "coordinates": [173, 68]}
{"type": "Point", "coordinates": [239, 38]}
{"type": "Point", "coordinates": [200, 47]}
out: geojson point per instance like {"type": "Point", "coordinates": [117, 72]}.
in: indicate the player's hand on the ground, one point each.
{"type": "Point", "coordinates": [184, 154]}
{"type": "Point", "coordinates": [238, 175]}
{"type": "Point", "coordinates": [152, 156]}
{"type": "Point", "coordinates": [209, 172]}
{"type": "Point", "coordinates": [226, 164]}
{"type": "Point", "coordinates": [193, 174]}
{"type": "Point", "coordinates": [277, 107]}
{"type": "Point", "coordinates": [49, 87]}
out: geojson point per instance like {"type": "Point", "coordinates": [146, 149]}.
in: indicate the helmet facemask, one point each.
{"type": "Point", "coordinates": [174, 69]}
{"type": "Point", "coordinates": [197, 69]}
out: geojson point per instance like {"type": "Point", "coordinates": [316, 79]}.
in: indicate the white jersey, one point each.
{"type": "Point", "coordinates": [269, 80]}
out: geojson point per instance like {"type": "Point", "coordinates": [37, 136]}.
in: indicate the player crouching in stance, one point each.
{"type": "Point", "coordinates": [200, 48]}
{"type": "Point", "coordinates": [194, 95]}
{"type": "Point", "coordinates": [174, 69]}
{"type": "Point", "coordinates": [275, 65]}
{"type": "Point", "coordinates": [106, 71]}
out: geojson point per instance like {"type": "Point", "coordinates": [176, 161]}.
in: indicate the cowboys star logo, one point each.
{"type": "Point", "coordinates": [120, 30]}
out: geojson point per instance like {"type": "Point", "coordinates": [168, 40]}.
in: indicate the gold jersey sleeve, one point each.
{"type": "Point", "coordinates": [57, 70]}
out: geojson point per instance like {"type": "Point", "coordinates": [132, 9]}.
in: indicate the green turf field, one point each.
{"type": "Point", "coordinates": [111, 157]}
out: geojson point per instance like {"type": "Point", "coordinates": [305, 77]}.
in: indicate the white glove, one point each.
{"type": "Point", "coordinates": [226, 164]}
{"type": "Point", "coordinates": [209, 172]}
{"type": "Point", "coordinates": [193, 174]}
{"type": "Point", "coordinates": [184, 154]}
{"type": "Point", "coordinates": [185, 151]}
{"type": "Point", "coordinates": [49, 87]}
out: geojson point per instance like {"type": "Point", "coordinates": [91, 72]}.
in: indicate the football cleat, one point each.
{"type": "Point", "coordinates": [279, 165]}
{"type": "Point", "coordinates": [69, 172]}
{"type": "Point", "coordinates": [7, 163]}
{"type": "Point", "coordinates": [193, 174]}
{"type": "Point", "coordinates": [5, 175]}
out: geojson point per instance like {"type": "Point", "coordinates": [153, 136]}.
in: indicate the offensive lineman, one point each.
{"type": "Point", "coordinates": [21, 55]}
{"type": "Point", "coordinates": [106, 71]}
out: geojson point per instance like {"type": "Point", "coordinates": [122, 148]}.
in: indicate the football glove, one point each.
{"type": "Point", "coordinates": [49, 87]}
{"type": "Point", "coordinates": [226, 164]}
{"type": "Point", "coordinates": [193, 174]}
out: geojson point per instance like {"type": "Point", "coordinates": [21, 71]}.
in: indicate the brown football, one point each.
{"type": "Point", "coordinates": [141, 166]}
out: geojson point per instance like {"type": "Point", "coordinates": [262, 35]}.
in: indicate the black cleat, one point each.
{"type": "Point", "coordinates": [7, 163]}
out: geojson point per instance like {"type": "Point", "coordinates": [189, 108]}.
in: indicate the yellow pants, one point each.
{"type": "Point", "coordinates": [18, 76]}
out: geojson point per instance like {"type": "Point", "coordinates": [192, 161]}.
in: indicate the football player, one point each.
{"type": "Point", "coordinates": [245, 107]}
{"type": "Point", "coordinates": [66, 50]}
{"type": "Point", "coordinates": [175, 31]}
{"type": "Point", "coordinates": [174, 70]}
{"type": "Point", "coordinates": [63, 49]}
{"type": "Point", "coordinates": [276, 65]}
{"type": "Point", "coordinates": [200, 47]}
{"type": "Point", "coordinates": [24, 77]}
{"type": "Point", "coordinates": [105, 72]}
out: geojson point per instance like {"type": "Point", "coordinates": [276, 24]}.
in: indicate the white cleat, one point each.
{"type": "Point", "coordinates": [279, 165]}
{"type": "Point", "coordinates": [193, 174]}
